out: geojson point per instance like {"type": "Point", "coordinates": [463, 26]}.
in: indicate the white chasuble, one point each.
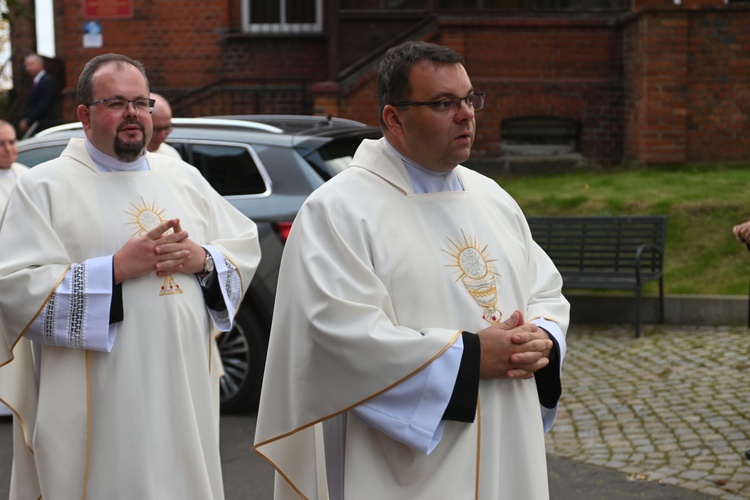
{"type": "Point", "coordinates": [139, 421]}
{"type": "Point", "coordinates": [8, 178]}
{"type": "Point", "coordinates": [376, 283]}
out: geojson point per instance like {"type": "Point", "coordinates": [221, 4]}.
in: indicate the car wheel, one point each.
{"type": "Point", "coordinates": [243, 354]}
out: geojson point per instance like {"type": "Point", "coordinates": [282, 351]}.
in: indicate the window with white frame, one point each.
{"type": "Point", "coordinates": [282, 16]}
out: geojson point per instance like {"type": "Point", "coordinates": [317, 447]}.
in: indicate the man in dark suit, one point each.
{"type": "Point", "coordinates": [41, 110]}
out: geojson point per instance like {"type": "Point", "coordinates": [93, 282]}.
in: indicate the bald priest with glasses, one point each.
{"type": "Point", "coordinates": [119, 266]}
{"type": "Point", "coordinates": [418, 332]}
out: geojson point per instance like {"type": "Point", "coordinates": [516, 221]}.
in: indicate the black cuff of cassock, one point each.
{"type": "Point", "coordinates": [462, 406]}
{"type": "Point", "coordinates": [548, 384]}
{"type": "Point", "coordinates": [116, 311]}
{"type": "Point", "coordinates": [212, 292]}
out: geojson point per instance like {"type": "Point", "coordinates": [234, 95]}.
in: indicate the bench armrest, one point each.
{"type": "Point", "coordinates": [639, 252]}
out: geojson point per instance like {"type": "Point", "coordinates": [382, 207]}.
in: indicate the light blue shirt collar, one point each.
{"type": "Point", "coordinates": [424, 180]}
{"type": "Point", "coordinates": [107, 163]}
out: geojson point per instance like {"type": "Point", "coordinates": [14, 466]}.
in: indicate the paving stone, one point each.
{"type": "Point", "coordinates": [659, 405]}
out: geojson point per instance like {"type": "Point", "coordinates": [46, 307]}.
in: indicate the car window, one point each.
{"type": "Point", "coordinates": [231, 170]}
{"type": "Point", "coordinates": [180, 147]}
{"type": "Point", "coordinates": [33, 157]}
{"type": "Point", "coordinates": [335, 156]}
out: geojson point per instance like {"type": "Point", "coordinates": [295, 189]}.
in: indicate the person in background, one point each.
{"type": "Point", "coordinates": [162, 118]}
{"type": "Point", "coordinates": [10, 171]}
{"type": "Point", "coordinates": [742, 233]}
{"type": "Point", "coordinates": [42, 107]}
{"type": "Point", "coordinates": [419, 331]}
{"type": "Point", "coordinates": [117, 265]}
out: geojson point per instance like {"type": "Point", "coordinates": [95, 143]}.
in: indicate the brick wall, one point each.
{"type": "Point", "coordinates": [23, 36]}
{"type": "Point", "coordinates": [532, 68]}
{"type": "Point", "coordinates": [670, 84]}
{"type": "Point", "coordinates": [666, 83]}
{"type": "Point", "coordinates": [179, 45]}
{"type": "Point", "coordinates": [656, 80]}
{"type": "Point", "coordinates": [687, 80]}
{"type": "Point", "coordinates": [718, 94]}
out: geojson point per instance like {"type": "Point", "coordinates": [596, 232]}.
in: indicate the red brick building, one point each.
{"type": "Point", "coordinates": [653, 81]}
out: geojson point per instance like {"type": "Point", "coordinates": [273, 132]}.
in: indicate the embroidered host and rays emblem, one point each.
{"type": "Point", "coordinates": [146, 217]}
{"type": "Point", "coordinates": [477, 275]}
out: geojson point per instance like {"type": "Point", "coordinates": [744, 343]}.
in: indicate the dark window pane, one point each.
{"type": "Point", "coordinates": [300, 11]}
{"type": "Point", "coordinates": [503, 4]}
{"type": "Point", "coordinates": [265, 11]}
{"type": "Point", "coordinates": [458, 4]}
{"type": "Point", "coordinates": [580, 4]}
{"type": "Point", "coordinates": [384, 4]}
{"type": "Point", "coordinates": [230, 170]}
{"type": "Point", "coordinates": [180, 147]}
{"type": "Point", "coordinates": [539, 136]}
{"type": "Point", "coordinates": [563, 5]}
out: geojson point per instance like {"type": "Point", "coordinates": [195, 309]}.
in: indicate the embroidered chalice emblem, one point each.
{"type": "Point", "coordinates": [146, 217]}
{"type": "Point", "coordinates": [476, 274]}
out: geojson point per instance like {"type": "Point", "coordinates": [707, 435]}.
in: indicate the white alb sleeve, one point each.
{"type": "Point", "coordinates": [412, 411]}
{"type": "Point", "coordinates": [77, 314]}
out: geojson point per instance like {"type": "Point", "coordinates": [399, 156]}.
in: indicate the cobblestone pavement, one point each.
{"type": "Point", "coordinates": [672, 406]}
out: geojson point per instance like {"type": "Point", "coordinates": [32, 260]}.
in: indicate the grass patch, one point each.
{"type": "Point", "coordinates": [702, 203]}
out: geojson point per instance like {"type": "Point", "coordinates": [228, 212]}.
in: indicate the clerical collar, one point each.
{"type": "Point", "coordinates": [424, 180]}
{"type": "Point", "coordinates": [6, 172]}
{"type": "Point", "coordinates": [107, 163]}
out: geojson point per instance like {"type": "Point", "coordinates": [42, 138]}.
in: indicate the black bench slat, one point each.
{"type": "Point", "coordinates": [602, 252]}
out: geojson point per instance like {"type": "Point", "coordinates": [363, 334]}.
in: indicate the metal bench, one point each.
{"type": "Point", "coordinates": [616, 253]}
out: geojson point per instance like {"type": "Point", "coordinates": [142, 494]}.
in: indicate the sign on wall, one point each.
{"type": "Point", "coordinates": [107, 9]}
{"type": "Point", "coordinates": [92, 35]}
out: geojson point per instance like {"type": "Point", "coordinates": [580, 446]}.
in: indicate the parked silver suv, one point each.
{"type": "Point", "coordinates": [266, 166]}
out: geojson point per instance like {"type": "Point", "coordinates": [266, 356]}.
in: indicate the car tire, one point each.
{"type": "Point", "coordinates": [243, 354]}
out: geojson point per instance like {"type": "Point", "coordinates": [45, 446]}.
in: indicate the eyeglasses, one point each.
{"type": "Point", "coordinates": [474, 101]}
{"type": "Point", "coordinates": [167, 129]}
{"type": "Point", "coordinates": [116, 105]}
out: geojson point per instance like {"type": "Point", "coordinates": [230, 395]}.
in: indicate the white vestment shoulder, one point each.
{"type": "Point", "coordinates": [8, 181]}
{"type": "Point", "coordinates": [140, 421]}
{"type": "Point", "coordinates": [166, 149]}
{"type": "Point", "coordinates": [376, 283]}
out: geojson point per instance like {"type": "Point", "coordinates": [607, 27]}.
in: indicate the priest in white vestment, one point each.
{"type": "Point", "coordinates": [10, 171]}
{"type": "Point", "coordinates": [162, 118]}
{"type": "Point", "coordinates": [118, 266]}
{"type": "Point", "coordinates": [418, 331]}
{"type": "Point", "coordinates": [8, 177]}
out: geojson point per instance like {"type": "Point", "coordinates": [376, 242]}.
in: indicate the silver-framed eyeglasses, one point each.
{"type": "Point", "coordinates": [117, 105]}
{"type": "Point", "coordinates": [475, 101]}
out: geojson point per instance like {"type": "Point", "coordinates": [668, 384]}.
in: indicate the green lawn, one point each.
{"type": "Point", "coordinates": [703, 203]}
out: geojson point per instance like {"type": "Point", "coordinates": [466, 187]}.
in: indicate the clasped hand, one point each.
{"type": "Point", "coordinates": [742, 232]}
{"type": "Point", "coordinates": [159, 250]}
{"type": "Point", "coordinates": [513, 349]}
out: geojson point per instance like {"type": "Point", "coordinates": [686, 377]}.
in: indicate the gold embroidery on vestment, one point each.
{"type": "Point", "coordinates": [476, 272]}
{"type": "Point", "coordinates": [145, 217]}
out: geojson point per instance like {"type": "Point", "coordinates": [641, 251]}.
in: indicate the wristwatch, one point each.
{"type": "Point", "coordinates": [208, 264]}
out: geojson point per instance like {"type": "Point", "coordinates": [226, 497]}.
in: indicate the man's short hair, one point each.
{"type": "Point", "coordinates": [85, 81]}
{"type": "Point", "coordinates": [396, 65]}
{"type": "Point", "coordinates": [35, 56]}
